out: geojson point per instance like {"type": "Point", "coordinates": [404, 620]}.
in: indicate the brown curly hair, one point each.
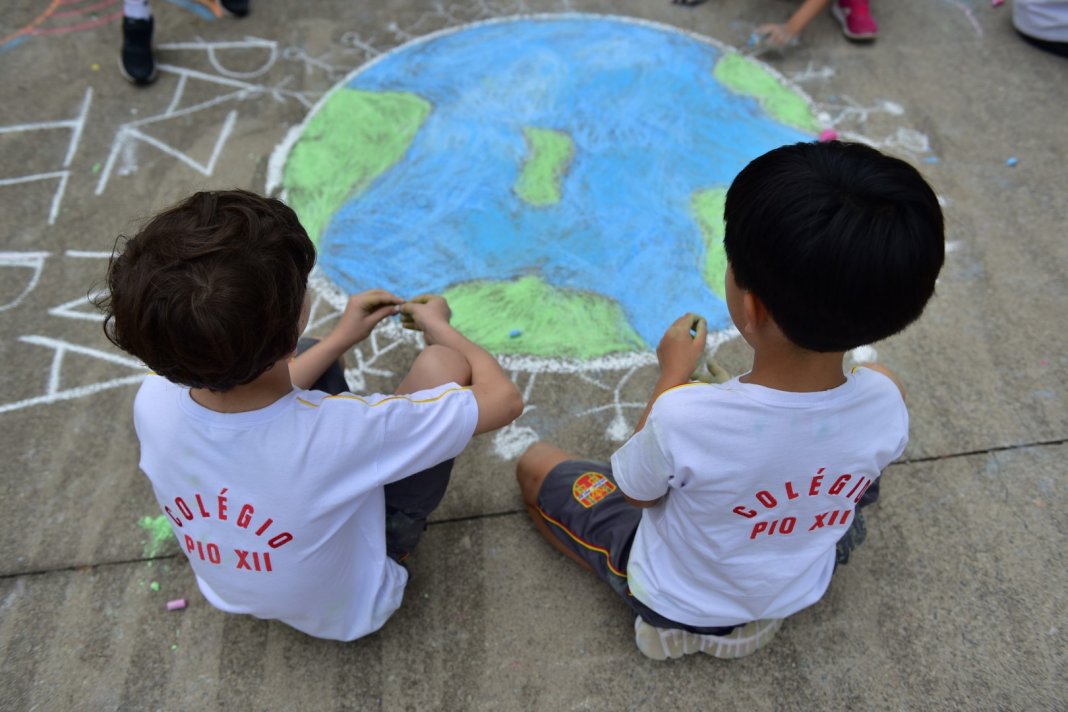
{"type": "Point", "coordinates": [209, 293]}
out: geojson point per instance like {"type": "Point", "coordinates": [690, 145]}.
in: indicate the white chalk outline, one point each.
{"type": "Point", "coordinates": [212, 47]}
{"type": "Point", "coordinates": [26, 260]}
{"type": "Point", "coordinates": [67, 310]}
{"type": "Point", "coordinates": [129, 134]}
{"type": "Point", "coordinates": [76, 126]}
{"type": "Point", "coordinates": [53, 392]}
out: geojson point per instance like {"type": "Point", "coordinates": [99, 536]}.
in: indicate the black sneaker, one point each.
{"type": "Point", "coordinates": [236, 7]}
{"type": "Point", "coordinates": [137, 62]}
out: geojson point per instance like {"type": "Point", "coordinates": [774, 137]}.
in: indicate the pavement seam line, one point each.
{"type": "Point", "coordinates": [510, 512]}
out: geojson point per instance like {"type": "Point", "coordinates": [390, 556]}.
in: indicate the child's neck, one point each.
{"type": "Point", "coordinates": [785, 367]}
{"type": "Point", "coordinates": [273, 384]}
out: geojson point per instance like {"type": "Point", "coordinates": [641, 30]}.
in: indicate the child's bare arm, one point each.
{"type": "Point", "coordinates": [678, 352]}
{"type": "Point", "coordinates": [361, 315]}
{"type": "Point", "coordinates": [499, 401]}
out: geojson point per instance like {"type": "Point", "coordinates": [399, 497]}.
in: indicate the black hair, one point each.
{"type": "Point", "coordinates": [841, 243]}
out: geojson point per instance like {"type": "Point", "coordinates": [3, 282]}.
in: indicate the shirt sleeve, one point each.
{"type": "Point", "coordinates": [640, 467]}
{"type": "Point", "coordinates": [422, 429]}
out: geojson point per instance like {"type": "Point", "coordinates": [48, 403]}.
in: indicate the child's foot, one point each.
{"type": "Point", "coordinates": [236, 7]}
{"type": "Point", "coordinates": [137, 62]}
{"type": "Point", "coordinates": [664, 643]}
{"type": "Point", "coordinates": [855, 19]}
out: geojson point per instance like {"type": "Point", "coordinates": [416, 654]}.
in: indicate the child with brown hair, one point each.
{"type": "Point", "coordinates": [292, 498]}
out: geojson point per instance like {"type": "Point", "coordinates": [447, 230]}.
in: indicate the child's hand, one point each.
{"type": "Point", "coordinates": [362, 314]}
{"type": "Point", "coordinates": [425, 313]}
{"type": "Point", "coordinates": [778, 36]}
{"type": "Point", "coordinates": [681, 347]}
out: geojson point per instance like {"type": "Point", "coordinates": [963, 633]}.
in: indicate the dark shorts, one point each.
{"type": "Point", "coordinates": [586, 511]}
{"type": "Point", "coordinates": [409, 501]}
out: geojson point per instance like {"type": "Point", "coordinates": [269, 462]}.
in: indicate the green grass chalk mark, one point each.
{"type": "Point", "coordinates": [707, 208]}
{"type": "Point", "coordinates": [159, 532]}
{"type": "Point", "coordinates": [749, 77]}
{"type": "Point", "coordinates": [154, 585]}
{"type": "Point", "coordinates": [327, 167]}
{"type": "Point", "coordinates": [540, 182]}
{"type": "Point", "coordinates": [552, 321]}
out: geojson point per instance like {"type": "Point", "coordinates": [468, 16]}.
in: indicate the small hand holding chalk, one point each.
{"type": "Point", "coordinates": [770, 36]}
{"type": "Point", "coordinates": [424, 313]}
{"type": "Point", "coordinates": [681, 347]}
{"type": "Point", "coordinates": [362, 313]}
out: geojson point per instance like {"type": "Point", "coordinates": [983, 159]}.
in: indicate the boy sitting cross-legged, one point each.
{"type": "Point", "coordinates": [292, 498]}
{"type": "Point", "coordinates": [732, 504]}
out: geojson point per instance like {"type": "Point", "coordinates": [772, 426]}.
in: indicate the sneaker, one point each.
{"type": "Point", "coordinates": [236, 7]}
{"type": "Point", "coordinates": [137, 62]}
{"type": "Point", "coordinates": [664, 643]}
{"type": "Point", "coordinates": [855, 19]}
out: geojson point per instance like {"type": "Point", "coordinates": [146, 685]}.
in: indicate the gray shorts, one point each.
{"type": "Point", "coordinates": [585, 510]}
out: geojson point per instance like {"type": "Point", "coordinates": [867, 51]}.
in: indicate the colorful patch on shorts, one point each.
{"type": "Point", "coordinates": [591, 487]}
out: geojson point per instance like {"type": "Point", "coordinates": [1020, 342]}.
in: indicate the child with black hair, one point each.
{"type": "Point", "coordinates": [292, 498]}
{"type": "Point", "coordinates": [732, 504]}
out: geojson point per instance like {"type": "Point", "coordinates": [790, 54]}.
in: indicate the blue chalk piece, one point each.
{"type": "Point", "coordinates": [930, 159]}
{"type": "Point", "coordinates": [1013, 160]}
{"type": "Point", "coordinates": [515, 333]}
{"type": "Point", "coordinates": [754, 39]}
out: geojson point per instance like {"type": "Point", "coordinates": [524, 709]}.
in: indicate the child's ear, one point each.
{"type": "Point", "coordinates": [756, 314]}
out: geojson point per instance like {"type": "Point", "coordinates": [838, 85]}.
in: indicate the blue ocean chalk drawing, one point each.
{"type": "Point", "coordinates": [649, 124]}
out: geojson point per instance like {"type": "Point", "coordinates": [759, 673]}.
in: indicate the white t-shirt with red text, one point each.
{"type": "Point", "coordinates": [758, 487]}
{"type": "Point", "coordinates": [281, 510]}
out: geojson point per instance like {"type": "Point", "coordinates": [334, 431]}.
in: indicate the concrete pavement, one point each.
{"type": "Point", "coordinates": [955, 602]}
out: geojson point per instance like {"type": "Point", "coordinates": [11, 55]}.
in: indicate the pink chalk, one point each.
{"type": "Point", "coordinates": [176, 605]}
{"type": "Point", "coordinates": [997, 3]}
{"type": "Point", "coordinates": [828, 135]}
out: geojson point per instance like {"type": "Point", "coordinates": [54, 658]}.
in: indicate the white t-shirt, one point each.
{"type": "Point", "coordinates": [281, 510]}
{"type": "Point", "coordinates": [760, 484]}
{"type": "Point", "coordinates": [1044, 19]}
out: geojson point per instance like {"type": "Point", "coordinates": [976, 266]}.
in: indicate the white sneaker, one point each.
{"type": "Point", "coordinates": [664, 643]}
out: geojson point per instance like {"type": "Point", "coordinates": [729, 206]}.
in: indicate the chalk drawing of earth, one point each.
{"type": "Point", "coordinates": [560, 179]}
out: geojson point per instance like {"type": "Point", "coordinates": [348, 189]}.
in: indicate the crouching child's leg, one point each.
{"type": "Point", "coordinates": [409, 502]}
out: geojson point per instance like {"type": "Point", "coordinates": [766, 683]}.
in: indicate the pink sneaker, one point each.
{"type": "Point", "coordinates": [855, 19]}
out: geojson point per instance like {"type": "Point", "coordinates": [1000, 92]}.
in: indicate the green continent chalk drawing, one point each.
{"type": "Point", "coordinates": [708, 209]}
{"type": "Point", "coordinates": [550, 153]}
{"type": "Point", "coordinates": [559, 179]}
{"type": "Point", "coordinates": [747, 76]}
{"type": "Point", "coordinates": [329, 167]}
{"type": "Point", "coordinates": [549, 329]}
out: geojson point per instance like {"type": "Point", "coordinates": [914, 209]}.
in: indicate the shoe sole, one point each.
{"type": "Point", "coordinates": [663, 644]}
{"type": "Point", "coordinates": [857, 37]}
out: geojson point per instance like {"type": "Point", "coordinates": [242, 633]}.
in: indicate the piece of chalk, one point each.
{"type": "Point", "coordinates": [176, 605]}
{"type": "Point", "coordinates": [997, 3]}
{"type": "Point", "coordinates": [828, 135]}
{"type": "Point", "coordinates": [515, 333]}
{"type": "Point", "coordinates": [1012, 161]}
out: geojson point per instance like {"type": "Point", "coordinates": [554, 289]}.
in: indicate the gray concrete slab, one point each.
{"type": "Point", "coordinates": [956, 601]}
